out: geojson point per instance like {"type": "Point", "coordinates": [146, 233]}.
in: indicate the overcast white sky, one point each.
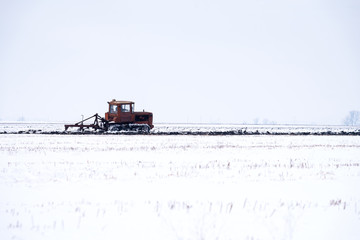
{"type": "Point", "coordinates": [229, 61]}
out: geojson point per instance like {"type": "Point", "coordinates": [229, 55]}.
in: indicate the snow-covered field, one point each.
{"type": "Point", "coordinates": [179, 187]}
{"type": "Point", "coordinates": [20, 127]}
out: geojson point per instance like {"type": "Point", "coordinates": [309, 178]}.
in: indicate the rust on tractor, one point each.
{"type": "Point", "coordinates": [124, 112]}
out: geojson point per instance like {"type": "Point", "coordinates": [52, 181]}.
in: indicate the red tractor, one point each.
{"type": "Point", "coordinates": [120, 117]}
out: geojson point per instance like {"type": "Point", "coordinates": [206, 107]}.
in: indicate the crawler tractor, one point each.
{"type": "Point", "coordinates": [120, 117]}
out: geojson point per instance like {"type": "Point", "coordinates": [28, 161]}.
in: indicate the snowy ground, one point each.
{"type": "Point", "coordinates": [161, 129]}
{"type": "Point", "coordinates": [179, 187]}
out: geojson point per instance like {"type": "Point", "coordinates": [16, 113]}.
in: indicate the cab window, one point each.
{"type": "Point", "coordinates": [113, 109]}
{"type": "Point", "coordinates": [125, 108]}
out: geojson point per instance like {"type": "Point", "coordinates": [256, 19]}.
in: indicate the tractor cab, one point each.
{"type": "Point", "coordinates": [120, 111]}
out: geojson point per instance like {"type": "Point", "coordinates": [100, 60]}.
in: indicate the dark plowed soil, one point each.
{"type": "Point", "coordinates": [195, 133]}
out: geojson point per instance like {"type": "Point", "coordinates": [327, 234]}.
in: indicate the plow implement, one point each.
{"type": "Point", "coordinates": [98, 124]}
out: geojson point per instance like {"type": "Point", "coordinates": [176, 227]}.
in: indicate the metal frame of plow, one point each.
{"type": "Point", "coordinates": [99, 123]}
